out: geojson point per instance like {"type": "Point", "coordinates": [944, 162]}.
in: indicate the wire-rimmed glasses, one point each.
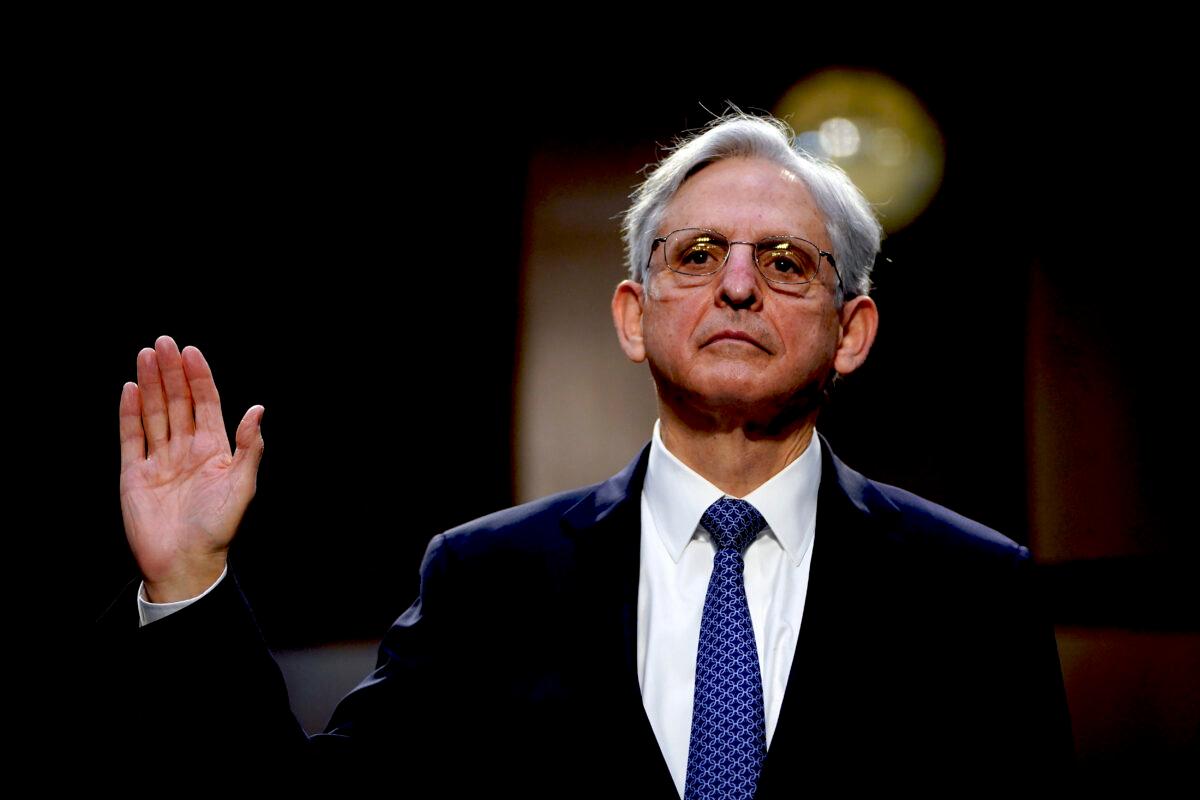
{"type": "Point", "coordinates": [786, 260]}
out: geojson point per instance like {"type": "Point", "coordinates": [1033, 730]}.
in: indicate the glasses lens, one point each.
{"type": "Point", "coordinates": [788, 260]}
{"type": "Point", "coordinates": [695, 252]}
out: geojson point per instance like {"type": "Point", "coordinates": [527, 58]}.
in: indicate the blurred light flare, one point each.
{"type": "Point", "coordinates": [875, 129]}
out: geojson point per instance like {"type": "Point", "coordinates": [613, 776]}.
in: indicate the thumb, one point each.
{"type": "Point", "coordinates": [250, 443]}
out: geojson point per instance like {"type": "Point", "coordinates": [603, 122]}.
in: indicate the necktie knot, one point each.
{"type": "Point", "coordinates": [733, 523]}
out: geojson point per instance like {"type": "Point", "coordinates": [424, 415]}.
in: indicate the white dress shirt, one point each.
{"type": "Point", "coordinates": [676, 564]}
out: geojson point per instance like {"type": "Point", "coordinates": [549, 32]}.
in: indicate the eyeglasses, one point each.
{"type": "Point", "coordinates": [781, 259]}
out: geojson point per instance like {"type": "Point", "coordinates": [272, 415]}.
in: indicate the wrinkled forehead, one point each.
{"type": "Point", "coordinates": [744, 197]}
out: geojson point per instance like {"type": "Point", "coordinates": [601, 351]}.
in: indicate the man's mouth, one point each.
{"type": "Point", "coordinates": [734, 335]}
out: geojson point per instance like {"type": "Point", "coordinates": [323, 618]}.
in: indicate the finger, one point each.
{"type": "Point", "coordinates": [133, 439]}
{"type": "Point", "coordinates": [179, 395]}
{"type": "Point", "coordinates": [204, 393]}
{"type": "Point", "coordinates": [154, 405]}
{"type": "Point", "coordinates": [250, 444]}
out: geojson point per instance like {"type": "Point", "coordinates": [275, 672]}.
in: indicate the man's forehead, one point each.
{"type": "Point", "coordinates": [751, 194]}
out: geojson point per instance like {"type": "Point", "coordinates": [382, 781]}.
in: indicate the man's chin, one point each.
{"type": "Point", "coordinates": [735, 408]}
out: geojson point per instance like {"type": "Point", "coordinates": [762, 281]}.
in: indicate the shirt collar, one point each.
{"type": "Point", "coordinates": [678, 496]}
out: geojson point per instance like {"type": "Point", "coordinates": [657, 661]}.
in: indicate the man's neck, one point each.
{"type": "Point", "coordinates": [736, 460]}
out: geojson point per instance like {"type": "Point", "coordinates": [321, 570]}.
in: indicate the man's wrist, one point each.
{"type": "Point", "coordinates": [188, 586]}
{"type": "Point", "coordinates": [149, 611]}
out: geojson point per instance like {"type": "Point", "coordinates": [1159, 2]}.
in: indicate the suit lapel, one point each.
{"type": "Point", "coordinates": [606, 528]}
{"type": "Point", "coordinates": [833, 669]}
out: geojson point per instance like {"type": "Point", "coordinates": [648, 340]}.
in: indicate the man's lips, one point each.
{"type": "Point", "coordinates": [736, 336]}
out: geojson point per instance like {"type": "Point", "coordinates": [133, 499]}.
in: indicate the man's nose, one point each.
{"type": "Point", "coordinates": [739, 285]}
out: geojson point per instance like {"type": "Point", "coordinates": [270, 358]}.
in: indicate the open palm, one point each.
{"type": "Point", "coordinates": [183, 493]}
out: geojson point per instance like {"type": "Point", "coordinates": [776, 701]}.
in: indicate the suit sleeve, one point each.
{"type": "Point", "coordinates": [202, 684]}
{"type": "Point", "coordinates": [199, 685]}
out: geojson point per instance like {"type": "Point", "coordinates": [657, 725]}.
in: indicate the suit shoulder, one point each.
{"type": "Point", "coordinates": [937, 527]}
{"type": "Point", "coordinates": [493, 555]}
{"type": "Point", "coordinates": [526, 526]}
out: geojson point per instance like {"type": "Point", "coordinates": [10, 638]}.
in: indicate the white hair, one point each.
{"type": "Point", "coordinates": [850, 222]}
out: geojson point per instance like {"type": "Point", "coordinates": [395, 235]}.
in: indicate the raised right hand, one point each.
{"type": "Point", "coordinates": [183, 493]}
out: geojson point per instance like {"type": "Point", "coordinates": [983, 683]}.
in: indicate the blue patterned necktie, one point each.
{"type": "Point", "coordinates": [729, 731]}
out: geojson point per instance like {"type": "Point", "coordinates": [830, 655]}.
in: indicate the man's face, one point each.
{"type": "Point", "coordinates": [731, 345]}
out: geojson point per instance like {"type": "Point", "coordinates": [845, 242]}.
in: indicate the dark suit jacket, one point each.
{"type": "Point", "coordinates": [924, 659]}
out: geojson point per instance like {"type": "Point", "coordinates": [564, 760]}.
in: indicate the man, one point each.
{"type": "Point", "coordinates": [675, 630]}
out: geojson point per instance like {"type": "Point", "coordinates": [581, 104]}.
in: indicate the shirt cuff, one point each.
{"type": "Point", "coordinates": [152, 612]}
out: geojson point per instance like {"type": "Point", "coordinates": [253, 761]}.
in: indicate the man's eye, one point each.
{"type": "Point", "coordinates": [782, 264]}
{"type": "Point", "coordinates": [788, 265]}
{"type": "Point", "coordinates": [699, 257]}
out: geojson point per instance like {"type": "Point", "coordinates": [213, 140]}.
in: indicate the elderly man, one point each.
{"type": "Point", "coordinates": [673, 630]}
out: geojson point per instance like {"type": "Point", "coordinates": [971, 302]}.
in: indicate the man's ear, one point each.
{"type": "Point", "coordinates": [860, 321]}
{"type": "Point", "coordinates": [627, 307]}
